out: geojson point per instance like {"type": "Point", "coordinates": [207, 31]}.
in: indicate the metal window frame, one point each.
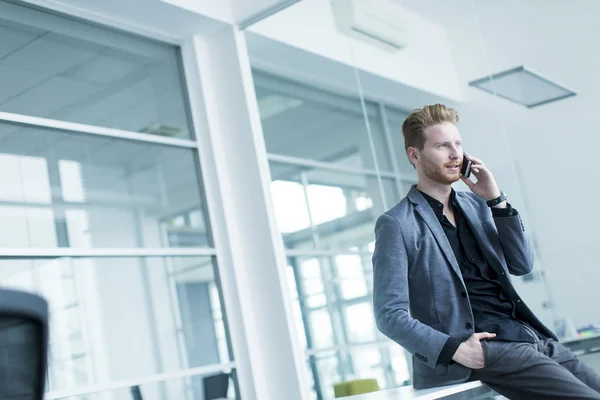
{"type": "Point", "coordinates": [104, 252]}
{"type": "Point", "coordinates": [77, 128]}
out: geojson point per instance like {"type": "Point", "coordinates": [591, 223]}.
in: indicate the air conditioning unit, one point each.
{"type": "Point", "coordinates": [378, 22]}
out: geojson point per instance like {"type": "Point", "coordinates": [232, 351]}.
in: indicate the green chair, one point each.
{"type": "Point", "coordinates": [357, 386]}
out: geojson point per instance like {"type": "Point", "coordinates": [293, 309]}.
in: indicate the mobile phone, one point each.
{"type": "Point", "coordinates": [465, 169]}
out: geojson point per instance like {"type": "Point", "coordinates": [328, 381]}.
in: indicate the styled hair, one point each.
{"type": "Point", "coordinates": [413, 127]}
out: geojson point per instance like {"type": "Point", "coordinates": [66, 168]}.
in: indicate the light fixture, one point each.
{"type": "Point", "coordinates": [272, 105]}
{"type": "Point", "coordinates": [523, 86]}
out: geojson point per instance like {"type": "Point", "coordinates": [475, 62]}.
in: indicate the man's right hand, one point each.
{"type": "Point", "coordinates": [470, 352]}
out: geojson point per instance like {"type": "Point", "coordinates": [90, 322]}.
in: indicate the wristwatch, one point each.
{"type": "Point", "coordinates": [497, 200]}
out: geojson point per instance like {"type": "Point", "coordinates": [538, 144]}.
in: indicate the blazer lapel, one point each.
{"type": "Point", "coordinates": [474, 222]}
{"type": "Point", "coordinates": [434, 225]}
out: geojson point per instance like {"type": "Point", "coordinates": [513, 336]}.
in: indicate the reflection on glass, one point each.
{"type": "Point", "coordinates": [349, 216]}
{"type": "Point", "coordinates": [308, 123]}
{"type": "Point", "coordinates": [381, 362]}
{"type": "Point", "coordinates": [366, 362]}
{"type": "Point", "coordinates": [60, 68]}
{"type": "Point", "coordinates": [118, 318]}
{"type": "Point", "coordinates": [340, 332]}
{"type": "Point", "coordinates": [395, 120]}
{"type": "Point", "coordinates": [311, 277]}
{"type": "Point", "coordinates": [322, 331]}
{"type": "Point", "coordinates": [288, 196]}
{"type": "Point", "coordinates": [351, 276]}
{"type": "Point", "coordinates": [360, 322]}
{"type": "Point", "coordinates": [71, 181]}
{"type": "Point", "coordinates": [399, 363]}
{"type": "Point", "coordinates": [329, 373]}
{"type": "Point", "coordinates": [68, 190]}
{"type": "Point", "coordinates": [297, 309]}
{"type": "Point", "coordinates": [187, 388]}
{"type": "Point", "coordinates": [327, 203]}
{"type": "Point", "coordinates": [341, 206]}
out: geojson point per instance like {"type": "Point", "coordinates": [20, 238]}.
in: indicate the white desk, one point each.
{"type": "Point", "coordinates": [582, 344]}
{"type": "Point", "coordinates": [470, 390]}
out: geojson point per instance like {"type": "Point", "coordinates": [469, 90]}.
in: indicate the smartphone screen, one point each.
{"type": "Point", "coordinates": [465, 170]}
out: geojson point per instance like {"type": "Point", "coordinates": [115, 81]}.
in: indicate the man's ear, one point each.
{"type": "Point", "coordinates": [413, 155]}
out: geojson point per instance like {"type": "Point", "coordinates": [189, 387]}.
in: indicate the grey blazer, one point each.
{"type": "Point", "coordinates": [419, 295]}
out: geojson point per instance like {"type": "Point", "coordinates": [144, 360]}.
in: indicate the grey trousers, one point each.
{"type": "Point", "coordinates": [541, 370]}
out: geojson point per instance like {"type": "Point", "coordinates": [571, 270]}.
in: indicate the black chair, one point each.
{"type": "Point", "coordinates": [23, 345]}
{"type": "Point", "coordinates": [216, 386]}
{"type": "Point", "coordinates": [136, 393]}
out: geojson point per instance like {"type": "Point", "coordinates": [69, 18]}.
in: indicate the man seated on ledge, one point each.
{"type": "Point", "coordinates": [442, 289]}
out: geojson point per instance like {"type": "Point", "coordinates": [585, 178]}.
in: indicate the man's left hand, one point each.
{"type": "Point", "coordinates": [486, 186]}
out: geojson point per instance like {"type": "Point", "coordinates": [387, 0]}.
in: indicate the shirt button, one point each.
{"type": "Point", "coordinates": [468, 325]}
{"type": "Point", "coordinates": [463, 294]}
{"type": "Point", "coordinates": [518, 301]}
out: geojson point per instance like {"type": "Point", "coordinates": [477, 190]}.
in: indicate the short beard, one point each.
{"type": "Point", "coordinates": [436, 173]}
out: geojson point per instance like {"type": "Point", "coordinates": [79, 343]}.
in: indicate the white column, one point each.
{"type": "Point", "coordinates": [249, 246]}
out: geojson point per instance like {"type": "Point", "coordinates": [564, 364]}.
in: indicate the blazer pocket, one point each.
{"type": "Point", "coordinates": [485, 353]}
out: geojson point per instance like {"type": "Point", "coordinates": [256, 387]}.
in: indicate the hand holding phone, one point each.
{"type": "Point", "coordinates": [465, 169]}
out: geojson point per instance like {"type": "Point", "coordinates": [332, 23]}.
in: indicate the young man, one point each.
{"type": "Point", "coordinates": [442, 289]}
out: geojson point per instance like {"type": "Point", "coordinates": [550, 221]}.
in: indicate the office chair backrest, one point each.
{"type": "Point", "coordinates": [216, 386]}
{"type": "Point", "coordinates": [23, 345]}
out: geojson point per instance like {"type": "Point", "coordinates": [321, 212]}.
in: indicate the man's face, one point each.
{"type": "Point", "coordinates": [442, 155]}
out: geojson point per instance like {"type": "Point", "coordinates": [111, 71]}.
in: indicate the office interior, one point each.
{"type": "Point", "coordinates": [193, 185]}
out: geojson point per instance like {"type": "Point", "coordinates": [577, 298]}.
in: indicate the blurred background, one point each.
{"type": "Point", "coordinates": [193, 185]}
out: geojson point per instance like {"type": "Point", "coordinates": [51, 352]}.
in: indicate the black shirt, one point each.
{"type": "Point", "coordinates": [493, 309]}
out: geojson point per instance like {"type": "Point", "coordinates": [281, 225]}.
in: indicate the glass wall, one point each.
{"type": "Point", "coordinates": [125, 317]}
{"type": "Point", "coordinates": [116, 197]}
{"type": "Point", "coordinates": [74, 190]}
{"type": "Point", "coordinates": [63, 69]}
{"type": "Point", "coordinates": [327, 195]}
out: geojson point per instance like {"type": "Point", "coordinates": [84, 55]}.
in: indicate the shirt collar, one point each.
{"type": "Point", "coordinates": [437, 205]}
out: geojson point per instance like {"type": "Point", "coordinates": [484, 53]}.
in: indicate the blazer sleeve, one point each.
{"type": "Point", "coordinates": [390, 296]}
{"type": "Point", "coordinates": [515, 244]}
